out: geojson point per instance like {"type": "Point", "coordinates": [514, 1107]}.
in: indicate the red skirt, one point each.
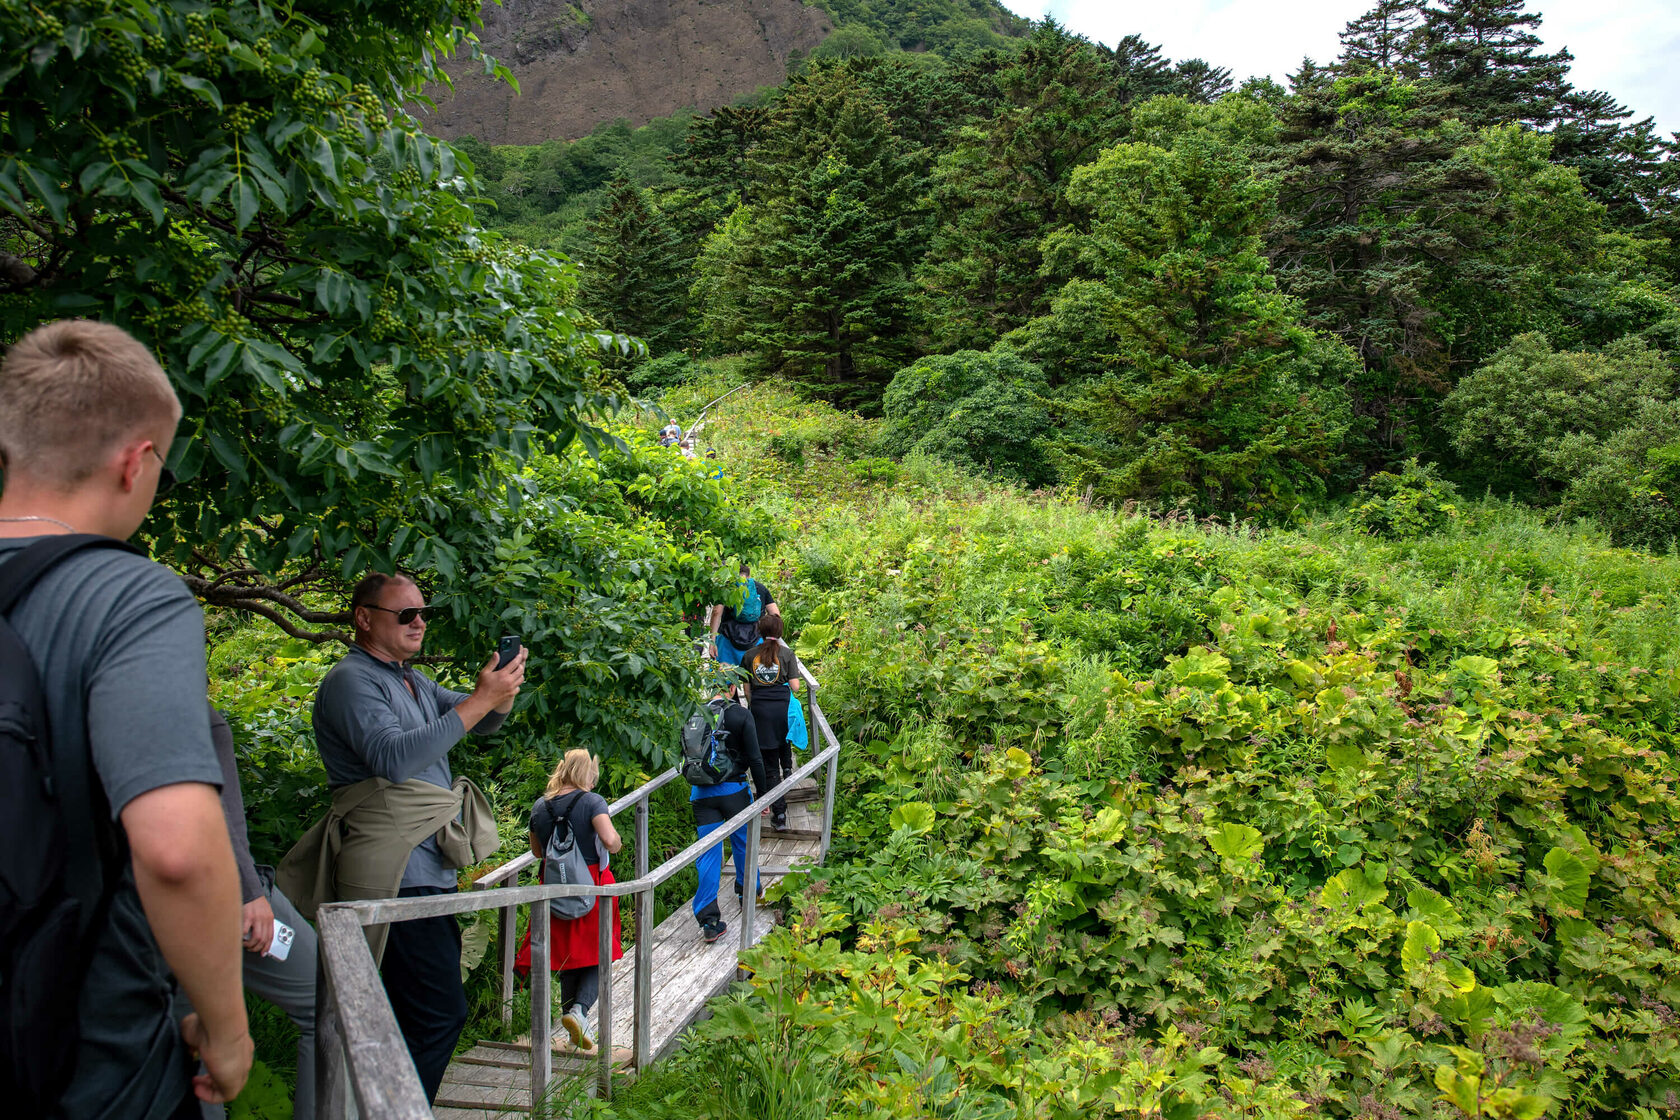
{"type": "Point", "coordinates": [575, 942]}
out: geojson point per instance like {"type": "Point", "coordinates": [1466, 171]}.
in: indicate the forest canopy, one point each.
{"type": "Point", "coordinates": [1368, 237]}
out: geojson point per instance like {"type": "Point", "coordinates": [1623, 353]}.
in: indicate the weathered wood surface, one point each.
{"type": "Point", "coordinates": [494, 1079]}
{"type": "Point", "coordinates": [375, 1054]}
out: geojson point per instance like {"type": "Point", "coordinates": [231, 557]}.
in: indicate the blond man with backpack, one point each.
{"type": "Point", "coordinates": [122, 894]}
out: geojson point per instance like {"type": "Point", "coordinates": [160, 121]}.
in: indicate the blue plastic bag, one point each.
{"type": "Point", "coordinates": [797, 736]}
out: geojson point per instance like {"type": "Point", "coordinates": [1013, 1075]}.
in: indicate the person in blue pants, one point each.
{"type": "Point", "coordinates": [714, 805]}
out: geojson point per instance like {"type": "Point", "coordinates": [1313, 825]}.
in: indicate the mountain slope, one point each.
{"type": "Point", "coordinates": [579, 64]}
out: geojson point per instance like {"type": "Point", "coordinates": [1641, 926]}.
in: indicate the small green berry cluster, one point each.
{"type": "Point", "coordinates": [385, 323]}
{"type": "Point", "coordinates": [198, 33]}
{"type": "Point", "coordinates": [125, 59]}
{"type": "Point", "coordinates": [243, 117]}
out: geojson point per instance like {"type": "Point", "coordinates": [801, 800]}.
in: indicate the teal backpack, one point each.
{"type": "Point", "coordinates": [753, 607]}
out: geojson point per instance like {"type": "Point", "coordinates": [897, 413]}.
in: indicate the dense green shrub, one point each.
{"type": "Point", "coordinates": [1510, 415]}
{"type": "Point", "coordinates": [981, 410]}
{"type": "Point", "coordinates": [1409, 504]}
{"type": "Point", "coordinates": [1627, 481]}
{"type": "Point", "coordinates": [667, 371]}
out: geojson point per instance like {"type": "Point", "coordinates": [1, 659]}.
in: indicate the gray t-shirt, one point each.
{"type": "Point", "coordinates": [119, 643]}
{"type": "Point", "coordinates": [369, 725]}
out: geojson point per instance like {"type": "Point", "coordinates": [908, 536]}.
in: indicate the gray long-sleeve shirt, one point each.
{"type": "Point", "coordinates": [233, 808]}
{"type": "Point", "coordinates": [369, 725]}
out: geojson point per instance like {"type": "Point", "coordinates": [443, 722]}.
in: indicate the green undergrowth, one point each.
{"type": "Point", "coordinates": [1147, 817]}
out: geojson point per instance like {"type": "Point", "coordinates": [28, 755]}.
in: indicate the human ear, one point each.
{"type": "Point", "coordinates": [132, 463]}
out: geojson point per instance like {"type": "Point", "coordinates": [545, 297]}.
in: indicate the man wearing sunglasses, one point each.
{"type": "Point", "coordinates": [376, 717]}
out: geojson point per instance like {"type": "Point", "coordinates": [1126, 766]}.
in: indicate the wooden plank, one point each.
{"type": "Point", "coordinates": [501, 1077]}
{"type": "Point", "coordinates": [494, 1097]}
{"type": "Point", "coordinates": [444, 1112]}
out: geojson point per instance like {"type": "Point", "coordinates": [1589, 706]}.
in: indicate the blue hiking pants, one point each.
{"type": "Point", "coordinates": [710, 814]}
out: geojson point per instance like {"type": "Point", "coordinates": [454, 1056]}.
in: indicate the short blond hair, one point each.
{"type": "Point", "coordinates": [578, 769]}
{"type": "Point", "coordinates": [72, 391]}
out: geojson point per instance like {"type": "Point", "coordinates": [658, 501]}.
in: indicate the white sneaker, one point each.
{"type": "Point", "coordinates": [576, 1022]}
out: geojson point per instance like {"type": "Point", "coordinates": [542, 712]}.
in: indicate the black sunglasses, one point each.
{"type": "Point", "coordinates": [166, 477]}
{"type": "Point", "coordinates": [404, 616]}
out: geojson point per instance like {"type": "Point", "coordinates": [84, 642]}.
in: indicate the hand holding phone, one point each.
{"type": "Point", "coordinates": [506, 650]}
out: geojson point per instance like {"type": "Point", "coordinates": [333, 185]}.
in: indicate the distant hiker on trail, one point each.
{"type": "Point", "coordinates": [384, 731]}
{"type": "Point", "coordinates": [280, 946]}
{"type": "Point", "coordinates": [116, 644]}
{"type": "Point", "coordinates": [772, 674]}
{"type": "Point", "coordinates": [734, 629]}
{"type": "Point", "coordinates": [720, 747]}
{"type": "Point", "coordinates": [671, 433]}
{"type": "Point", "coordinates": [570, 803]}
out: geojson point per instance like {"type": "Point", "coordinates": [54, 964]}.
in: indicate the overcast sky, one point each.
{"type": "Point", "coordinates": [1629, 47]}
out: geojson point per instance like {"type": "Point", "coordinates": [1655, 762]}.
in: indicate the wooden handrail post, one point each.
{"type": "Point", "coordinates": [507, 931]}
{"type": "Point", "coordinates": [644, 979]}
{"type": "Point", "coordinates": [604, 908]}
{"type": "Point", "coordinates": [377, 1062]}
{"type": "Point", "coordinates": [542, 1009]}
{"type": "Point", "coordinates": [641, 843]}
{"type": "Point", "coordinates": [832, 778]}
{"type": "Point", "coordinates": [749, 889]}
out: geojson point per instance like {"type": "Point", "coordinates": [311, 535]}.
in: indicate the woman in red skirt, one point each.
{"type": "Point", "coordinates": [574, 943]}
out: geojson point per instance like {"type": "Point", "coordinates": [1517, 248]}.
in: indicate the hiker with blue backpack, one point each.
{"type": "Point", "coordinates": [720, 748]}
{"type": "Point", "coordinates": [734, 629]}
{"type": "Point", "coordinates": [573, 834]}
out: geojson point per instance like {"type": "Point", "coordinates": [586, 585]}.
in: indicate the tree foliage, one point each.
{"type": "Point", "coordinates": [1004, 186]}
{"type": "Point", "coordinates": [982, 410]}
{"type": "Point", "coordinates": [1211, 388]}
{"type": "Point", "coordinates": [812, 277]}
{"type": "Point", "coordinates": [634, 275]}
{"type": "Point", "coordinates": [370, 380]}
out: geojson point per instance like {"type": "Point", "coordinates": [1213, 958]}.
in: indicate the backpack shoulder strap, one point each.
{"type": "Point", "coordinates": [21, 572]}
{"type": "Point", "coordinates": [98, 850]}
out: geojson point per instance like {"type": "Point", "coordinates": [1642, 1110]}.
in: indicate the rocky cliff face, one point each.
{"type": "Point", "coordinates": [586, 61]}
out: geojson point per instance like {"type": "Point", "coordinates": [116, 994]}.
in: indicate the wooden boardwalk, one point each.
{"type": "Point", "coordinates": [493, 1079]}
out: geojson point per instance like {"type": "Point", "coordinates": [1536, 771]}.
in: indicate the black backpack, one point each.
{"type": "Point", "coordinates": [60, 859]}
{"type": "Point", "coordinates": [707, 759]}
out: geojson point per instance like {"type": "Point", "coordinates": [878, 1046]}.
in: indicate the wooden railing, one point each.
{"type": "Point", "coordinates": [360, 1053]}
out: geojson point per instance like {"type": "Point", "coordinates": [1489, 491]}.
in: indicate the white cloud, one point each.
{"type": "Point", "coordinates": [1630, 48]}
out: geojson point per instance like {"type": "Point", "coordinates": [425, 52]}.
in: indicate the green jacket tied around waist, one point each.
{"type": "Point", "coordinates": [361, 847]}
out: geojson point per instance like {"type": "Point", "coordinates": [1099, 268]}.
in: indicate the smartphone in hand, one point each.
{"type": "Point", "coordinates": [507, 649]}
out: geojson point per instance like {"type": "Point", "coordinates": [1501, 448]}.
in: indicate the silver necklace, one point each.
{"type": "Point", "coordinates": [33, 517]}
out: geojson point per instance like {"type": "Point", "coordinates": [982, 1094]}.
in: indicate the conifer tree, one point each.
{"type": "Point", "coordinates": [1487, 54]}
{"type": "Point", "coordinates": [1620, 164]}
{"type": "Point", "coordinates": [1371, 184]}
{"type": "Point", "coordinates": [1210, 387]}
{"type": "Point", "coordinates": [1141, 72]}
{"type": "Point", "coordinates": [1384, 38]}
{"type": "Point", "coordinates": [634, 274]}
{"type": "Point", "coordinates": [1200, 82]}
{"type": "Point", "coordinates": [815, 272]}
{"type": "Point", "coordinates": [1004, 185]}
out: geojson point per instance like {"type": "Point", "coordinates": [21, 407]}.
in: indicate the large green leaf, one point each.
{"type": "Point", "coordinates": [1235, 841]}
{"type": "Point", "coordinates": [1572, 872]}
{"type": "Point", "coordinates": [1201, 668]}
{"type": "Point", "coordinates": [1421, 943]}
{"type": "Point", "coordinates": [1350, 888]}
{"type": "Point", "coordinates": [915, 817]}
{"type": "Point", "coordinates": [1437, 911]}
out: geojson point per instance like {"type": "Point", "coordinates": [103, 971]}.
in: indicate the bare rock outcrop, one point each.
{"type": "Point", "coordinates": [586, 61]}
